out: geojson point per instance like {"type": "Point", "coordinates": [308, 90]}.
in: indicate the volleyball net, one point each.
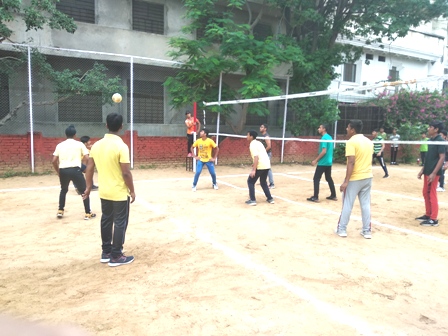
{"type": "Point", "coordinates": [348, 98]}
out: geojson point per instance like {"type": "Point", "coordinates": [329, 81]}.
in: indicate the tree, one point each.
{"type": "Point", "coordinates": [226, 47]}
{"type": "Point", "coordinates": [66, 83]}
{"type": "Point", "coordinates": [310, 29]}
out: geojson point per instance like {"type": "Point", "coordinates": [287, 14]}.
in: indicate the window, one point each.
{"type": "Point", "coordinates": [382, 58]}
{"type": "Point", "coordinates": [255, 119]}
{"type": "Point", "coordinates": [148, 17]}
{"type": "Point", "coordinates": [81, 109]}
{"type": "Point", "coordinates": [262, 31]}
{"type": "Point", "coordinates": [369, 57]}
{"type": "Point", "coordinates": [349, 74]}
{"type": "Point", "coordinates": [4, 96]}
{"type": "Point", "coordinates": [394, 74]}
{"type": "Point", "coordinates": [79, 10]}
{"type": "Point", "coordinates": [148, 102]}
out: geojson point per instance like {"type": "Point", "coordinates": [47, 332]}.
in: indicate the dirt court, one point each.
{"type": "Point", "coordinates": [208, 264]}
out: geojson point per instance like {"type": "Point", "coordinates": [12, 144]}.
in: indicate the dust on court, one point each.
{"type": "Point", "coordinates": [208, 264]}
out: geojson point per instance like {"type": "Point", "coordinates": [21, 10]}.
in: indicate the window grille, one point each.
{"type": "Point", "coordinates": [81, 109]}
{"type": "Point", "coordinates": [394, 74]}
{"type": "Point", "coordinates": [79, 10]}
{"type": "Point", "coordinates": [4, 95]}
{"type": "Point", "coordinates": [148, 17]}
{"type": "Point", "coordinates": [148, 102]}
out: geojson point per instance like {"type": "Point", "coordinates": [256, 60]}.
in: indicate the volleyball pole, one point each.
{"type": "Point", "coordinates": [195, 111]}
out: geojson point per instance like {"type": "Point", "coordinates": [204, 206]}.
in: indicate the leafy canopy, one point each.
{"type": "Point", "coordinates": [307, 37]}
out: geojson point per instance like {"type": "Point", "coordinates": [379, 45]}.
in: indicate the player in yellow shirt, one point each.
{"type": "Point", "coordinates": [207, 154]}
{"type": "Point", "coordinates": [110, 155]}
{"type": "Point", "coordinates": [358, 179]}
{"type": "Point", "coordinates": [67, 159]}
{"type": "Point", "coordinates": [260, 168]}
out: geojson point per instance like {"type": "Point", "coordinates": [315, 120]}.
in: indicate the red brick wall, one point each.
{"type": "Point", "coordinates": [148, 150]}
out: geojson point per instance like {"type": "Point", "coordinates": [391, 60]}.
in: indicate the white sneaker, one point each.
{"type": "Point", "coordinates": [440, 189]}
{"type": "Point", "coordinates": [366, 234]}
{"type": "Point", "coordinates": [342, 234]}
{"type": "Point", "coordinates": [193, 189]}
{"type": "Point", "coordinates": [215, 186]}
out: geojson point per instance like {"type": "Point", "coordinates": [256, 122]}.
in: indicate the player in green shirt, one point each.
{"type": "Point", "coordinates": [378, 150]}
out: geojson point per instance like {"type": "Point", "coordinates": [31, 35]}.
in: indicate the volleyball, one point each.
{"type": "Point", "coordinates": [116, 97]}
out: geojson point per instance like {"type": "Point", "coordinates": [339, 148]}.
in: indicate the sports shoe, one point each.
{"type": "Point", "coordinates": [121, 260]}
{"type": "Point", "coordinates": [94, 187]}
{"type": "Point", "coordinates": [60, 213]}
{"type": "Point", "coordinates": [215, 186]}
{"type": "Point", "coordinates": [250, 202]}
{"type": "Point", "coordinates": [332, 198]}
{"type": "Point", "coordinates": [313, 199]}
{"type": "Point", "coordinates": [440, 189]}
{"type": "Point", "coordinates": [271, 201]}
{"type": "Point", "coordinates": [386, 176]}
{"type": "Point", "coordinates": [89, 215]}
{"type": "Point", "coordinates": [366, 234]}
{"type": "Point", "coordinates": [272, 186]}
{"type": "Point", "coordinates": [430, 222]}
{"type": "Point", "coordinates": [193, 188]}
{"type": "Point", "coordinates": [342, 234]}
{"type": "Point", "coordinates": [105, 257]}
{"type": "Point", "coordinates": [422, 218]}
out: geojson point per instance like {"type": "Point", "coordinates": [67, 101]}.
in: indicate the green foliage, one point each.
{"type": "Point", "coordinates": [412, 132]}
{"type": "Point", "coordinates": [414, 107]}
{"type": "Point", "coordinates": [13, 173]}
{"type": "Point", "coordinates": [67, 82]}
{"type": "Point", "coordinates": [226, 47]}
{"type": "Point", "coordinates": [309, 43]}
{"type": "Point", "coordinates": [35, 14]}
{"type": "Point", "coordinates": [339, 153]}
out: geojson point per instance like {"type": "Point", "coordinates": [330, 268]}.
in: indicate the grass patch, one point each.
{"type": "Point", "coordinates": [12, 173]}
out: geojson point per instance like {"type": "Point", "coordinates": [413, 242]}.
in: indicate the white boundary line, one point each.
{"type": "Point", "coordinates": [303, 204]}
{"type": "Point", "coordinates": [335, 313]}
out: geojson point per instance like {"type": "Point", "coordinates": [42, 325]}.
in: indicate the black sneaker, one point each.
{"type": "Point", "coordinates": [94, 187]}
{"type": "Point", "coordinates": [271, 201]}
{"type": "Point", "coordinates": [386, 176]}
{"type": "Point", "coordinates": [422, 218]}
{"type": "Point", "coordinates": [121, 260]}
{"type": "Point", "coordinates": [272, 186]}
{"type": "Point", "coordinates": [105, 257]}
{"type": "Point", "coordinates": [250, 202]}
{"type": "Point", "coordinates": [313, 199]}
{"type": "Point", "coordinates": [332, 198]}
{"type": "Point", "coordinates": [430, 222]}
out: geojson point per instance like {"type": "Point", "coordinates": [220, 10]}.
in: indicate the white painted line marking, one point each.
{"type": "Point", "coordinates": [332, 312]}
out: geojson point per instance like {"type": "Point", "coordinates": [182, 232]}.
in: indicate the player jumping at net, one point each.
{"type": "Point", "coordinates": [207, 154]}
{"type": "Point", "coordinates": [431, 172]}
{"type": "Point", "coordinates": [324, 162]}
{"type": "Point", "coordinates": [67, 164]}
{"type": "Point", "coordinates": [358, 179]}
{"type": "Point", "coordinates": [378, 150]}
{"type": "Point", "coordinates": [260, 168]}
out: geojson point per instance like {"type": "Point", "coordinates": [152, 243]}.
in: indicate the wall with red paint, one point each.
{"type": "Point", "coordinates": [148, 150]}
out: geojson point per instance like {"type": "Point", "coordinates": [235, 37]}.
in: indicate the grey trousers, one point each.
{"type": "Point", "coordinates": [360, 188]}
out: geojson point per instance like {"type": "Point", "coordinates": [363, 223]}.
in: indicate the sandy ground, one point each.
{"type": "Point", "coordinates": [208, 264]}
